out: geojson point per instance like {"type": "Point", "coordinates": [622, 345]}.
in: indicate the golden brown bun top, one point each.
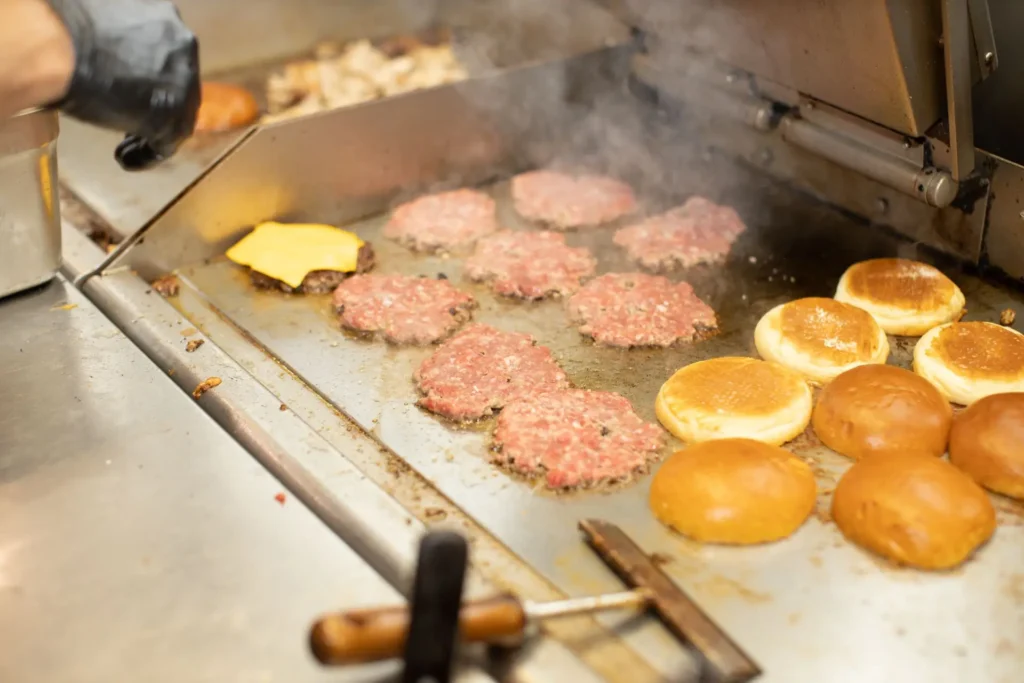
{"type": "Point", "coordinates": [914, 509]}
{"type": "Point", "coordinates": [742, 386]}
{"type": "Point", "coordinates": [881, 409]}
{"type": "Point", "coordinates": [734, 491]}
{"type": "Point", "coordinates": [900, 282]}
{"type": "Point", "coordinates": [225, 106]}
{"type": "Point", "coordinates": [902, 393]}
{"type": "Point", "coordinates": [981, 350]}
{"type": "Point", "coordinates": [830, 330]}
{"type": "Point", "coordinates": [987, 441]}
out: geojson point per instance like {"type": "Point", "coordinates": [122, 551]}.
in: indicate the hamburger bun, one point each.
{"type": "Point", "coordinates": [969, 361]}
{"type": "Point", "coordinates": [735, 398]}
{"type": "Point", "coordinates": [820, 338]}
{"type": "Point", "coordinates": [987, 442]}
{"type": "Point", "coordinates": [905, 297]}
{"type": "Point", "coordinates": [882, 410]}
{"type": "Point", "coordinates": [735, 491]}
{"type": "Point", "coordinates": [225, 107]}
{"type": "Point", "coordinates": [914, 510]}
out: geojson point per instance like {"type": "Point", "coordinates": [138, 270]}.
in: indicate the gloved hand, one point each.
{"type": "Point", "coordinates": [136, 71]}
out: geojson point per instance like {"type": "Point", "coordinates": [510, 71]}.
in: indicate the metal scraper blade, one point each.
{"type": "Point", "coordinates": [728, 663]}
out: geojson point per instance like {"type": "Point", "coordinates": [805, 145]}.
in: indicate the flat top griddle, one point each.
{"type": "Point", "coordinates": [811, 608]}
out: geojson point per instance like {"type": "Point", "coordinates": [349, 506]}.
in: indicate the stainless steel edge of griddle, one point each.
{"type": "Point", "coordinates": [140, 541]}
{"type": "Point", "coordinates": [80, 255]}
{"type": "Point", "coordinates": [362, 514]}
{"type": "Point", "coordinates": [365, 517]}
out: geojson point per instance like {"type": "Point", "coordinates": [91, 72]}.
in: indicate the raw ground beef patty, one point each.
{"type": "Point", "coordinates": [444, 221]}
{"type": "Point", "coordinates": [481, 369]}
{"type": "Point", "coordinates": [699, 231]}
{"type": "Point", "coordinates": [530, 265]}
{"type": "Point", "coordinates": [565, 201]}
{"type": "Point", "coordinates": [633, 309]}
{"type": "Point", "coordinates": [403, 309]}
{"type": "Point", "coordinates": [575, 438]}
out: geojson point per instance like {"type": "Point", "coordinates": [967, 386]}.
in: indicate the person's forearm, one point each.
{"type": "Point", "coordinates": [36, 56]}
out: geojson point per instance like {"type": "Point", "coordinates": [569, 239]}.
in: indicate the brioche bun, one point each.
{"type": "Point", "coordinates": [735, 397]}
{"type": "Point", "coordinates": [882, 410]}
{"type": "Point", "coordinates": [905, 297]}
{"type": "Point", "coordinates": [969, 361]}
{"type": "Point", "coordinates": [987, 442]}
{"type": "Point", "coordinates": [820, 338]}
{"type": "Point", "coordinates": [225, 107]}
{"type": "Point", "coordinates": [914, 510]}
{"type": "Point", "coordinates": [734, 491]}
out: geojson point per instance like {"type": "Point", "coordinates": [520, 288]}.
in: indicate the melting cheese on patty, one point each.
{"type": "Point", "coordinates": [290, 252]}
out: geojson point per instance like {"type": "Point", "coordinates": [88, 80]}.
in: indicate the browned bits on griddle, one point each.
{"type": "Point", "coordinates": [167, 286]}
{"type": "Point", "coordinates": [193, 345]}
{"type": "Point", "coordinates": [435, 514]}
{"type": "Point", "coordinates": [660, 559]}
{"type": "Point", "coordinates": [205, 386]}
{"type": "Point", "coordinates": [1007, 317]}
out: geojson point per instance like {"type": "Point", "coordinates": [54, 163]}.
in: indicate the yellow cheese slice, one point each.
{"type": "Point", "coordinates": [289, 252]}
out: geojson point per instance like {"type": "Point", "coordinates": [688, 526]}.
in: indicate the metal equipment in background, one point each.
{"type": "Point", "coordinates": [30, 237]}
{"type": "Point", "coordinates": [872, 106]}
{"type": "Point", "coordinates": [424, 633]}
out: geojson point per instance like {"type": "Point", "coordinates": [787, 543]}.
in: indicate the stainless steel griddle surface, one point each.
{"type": "Point", "coordinates": [811, 608]}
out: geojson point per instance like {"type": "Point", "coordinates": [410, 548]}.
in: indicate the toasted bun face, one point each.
{"type": "Point", "coordinates": [969, 361]}
{"type": "Point", "coordinates": [733, 491]}
{"type": "Point", "coordinates": [987, 442]}
{"type": "Point", "coordinates": [914, 510]}
{"type": "Point", "coordinates": [735, 397]}
{"type": "Point", "coordinates": [882, 410]}
{"type": "Point", "coordinates": [820, 338]}
{"type": "Point", "coordinates": [905, 297]}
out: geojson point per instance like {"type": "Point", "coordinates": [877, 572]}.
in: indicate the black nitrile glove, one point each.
{"type": "Point", "coordinates": [136, 71]}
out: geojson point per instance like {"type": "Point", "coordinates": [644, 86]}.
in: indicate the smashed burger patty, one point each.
{"type": "Point", "coordinates": [402, 309]}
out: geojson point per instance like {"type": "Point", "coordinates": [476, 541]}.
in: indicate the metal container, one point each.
{"type": "Point", "coordinates": [29, 210]}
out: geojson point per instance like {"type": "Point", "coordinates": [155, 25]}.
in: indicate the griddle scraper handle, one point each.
{"type": "Point", "coordinates": [370, 635]}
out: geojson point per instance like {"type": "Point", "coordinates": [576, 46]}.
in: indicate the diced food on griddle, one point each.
{"type": "Point", "coordinates": [575, 438]}
{"type": "Point", "coordinates": [402, 309]}
{"type": "Point", "coordinates": [699, 231]}
{"type": "Point", "coordinates": [225, 106]}
{"type": "Point", "coordinates": [634, 309]}
{"type": "Point", "coordinates": [564, 201]}
{"type": "Point", "coordinates": [905, 297]}
{"type": "Point", "coordinates": [481, 369]}
{"type": "Point", "coordinates": [305, 258]}
{"type": "Point", "coordinates": [443, 221]}
{"type": "Point", "coordinates": [340, 76]}
{"type": "Point", "coordinates": [530, 265]}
